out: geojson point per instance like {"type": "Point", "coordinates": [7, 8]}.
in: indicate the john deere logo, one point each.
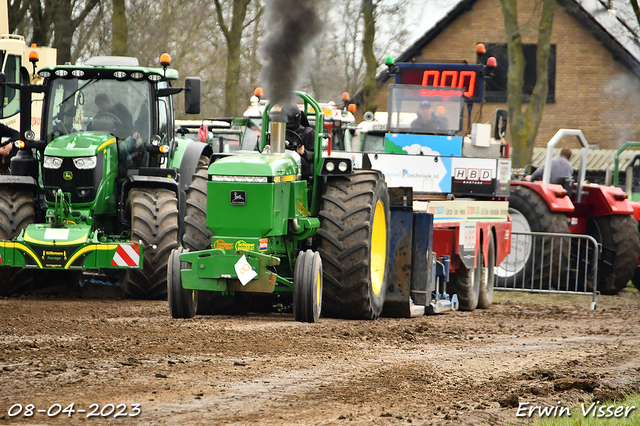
{"type": "Point", "coordinates": [238, 198]}
{"type": "Point", "coordinates": [67, 175]}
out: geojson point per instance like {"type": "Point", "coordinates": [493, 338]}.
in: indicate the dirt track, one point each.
{"type": "Point", "coordinates": [461, 368]}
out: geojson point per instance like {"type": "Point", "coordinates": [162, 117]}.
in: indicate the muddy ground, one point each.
{"type": "Point", "coordinates": [460, 368]}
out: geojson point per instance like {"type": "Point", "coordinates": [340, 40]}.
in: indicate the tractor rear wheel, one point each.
{"type": "Point", "coordinates": [524, 268]}
{"type": "Point", "coordinates": [353, 242]}
{"type": "Point", "coordinates": [183, 303]}
{"type": "Point", "coordinates": [154, 221]}
{"type": "Point", "coordinates": [620, 241]}
{"type": "Point", "coordinates": [487, 275]}
{"type": "Point", "coordinates": [307, 287]}
{"type": "Point", "coordinates": [16, 212]}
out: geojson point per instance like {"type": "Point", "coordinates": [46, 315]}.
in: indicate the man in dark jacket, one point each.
{"type": "Point", "coordinates": [427, 120]}
{"type": "Point", "coordinates": [303, 143]}
{"type": "Point", "coordinates": [8, 151]}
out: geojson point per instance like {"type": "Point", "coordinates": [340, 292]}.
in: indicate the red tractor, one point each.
{"type": "Point", "coordinates": [602, 212]}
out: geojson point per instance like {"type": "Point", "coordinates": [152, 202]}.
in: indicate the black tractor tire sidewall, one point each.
{"type": "Point", "coordinates": [485, 297]}
{"type": "Point", "coordinates": [17, 211]}
{"type": "Point", "coordinates": [154, 221]}
{"type": "Point", "coordinates": [307, 277]}
{"type": "Point", "coordinates": [620, 233]}
{"type": "Point", "coordinates": [182, 302]}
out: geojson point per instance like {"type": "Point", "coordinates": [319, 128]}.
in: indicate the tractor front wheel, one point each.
{"type": "Point", "coordinates": [183, 303]}
{"type": "Point", "coordinates": [466, 284]}
{"type": "Point", "coordinates": [307, 287]}
{"type": "Point", "coordinates": [16, 212]}
{"type": "Point", "coordinates": [154, 222]}
{"type": "Point", "coordinates": [353, 242]}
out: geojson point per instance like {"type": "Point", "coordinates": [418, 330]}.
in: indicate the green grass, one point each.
{"type": "Point", "coordinates": [577, 418]}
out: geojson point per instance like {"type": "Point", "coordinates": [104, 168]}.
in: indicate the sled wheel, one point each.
{"type": "Point", "coordinates": [466, 284]}
{"type": "Point", "coordinates": [353, 242]}
{"type": "Point", "coordinates": [307, 287]}
{"type": "Point", "coordinates": [16, 212]}
{"type": "Point", "coordinates": [183, 303]}
{"type": "Point", "coordinates": [524, 268]}
{"type": "Point", "coordinates": [154, 221]}
{"type": "Point", "coordinates": [487, 276]}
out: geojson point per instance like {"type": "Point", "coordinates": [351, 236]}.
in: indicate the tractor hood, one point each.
{"type": "Point", "coordinates": [82, 144]}
{"type": "Point", "coordinates": [269, 165]}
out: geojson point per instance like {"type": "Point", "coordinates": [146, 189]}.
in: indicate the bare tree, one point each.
{"type": "Point", "coordinates": [524, 123]}
{"type": "Point", "coordinates": [233, 36]}
{"type": "Point", "coordinates": [369, 84]}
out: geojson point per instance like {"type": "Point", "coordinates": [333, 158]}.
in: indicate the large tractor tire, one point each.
{"type": "Point", "coordinates": [154, 221]}
{"type": "Point", "coordinates": [353, 242]}
{"type": "Point", "coordinates": [620, 241]}
{"type": "Point", "coordinates": [16, 212]}
{"type": "Point", "coordinates": [487, 276]}
{"type": "Point", "coordinates": [533, 262]}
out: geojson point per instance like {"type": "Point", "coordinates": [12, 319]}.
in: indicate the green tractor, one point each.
{"type": "Point", "coordinates": [103, 189]}
{"type": "Point", "coordinates": [321, 243]}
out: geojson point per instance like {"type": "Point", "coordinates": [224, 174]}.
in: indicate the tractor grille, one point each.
{"type": "Point", "coordinates": [81, 184]}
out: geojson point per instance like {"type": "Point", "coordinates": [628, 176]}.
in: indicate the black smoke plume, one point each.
{"type": "Point", "coordinates": [291, 26]}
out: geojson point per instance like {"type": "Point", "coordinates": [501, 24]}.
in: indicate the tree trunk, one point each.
{"type": "Point", "coordinates": [369, 83]}
{"type": "Point", "coordinates": [119, 29]}
{"type": "Point", "coordinates": [524, 124]}
{"type": "Point", "coordinates": [233, 36]}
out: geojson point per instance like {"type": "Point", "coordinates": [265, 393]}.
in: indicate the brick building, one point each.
{"type": "Point", "coordinates": [594, 70]}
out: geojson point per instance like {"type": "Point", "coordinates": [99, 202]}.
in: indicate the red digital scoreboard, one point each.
{"type": "Point", "coordinates": [444, 79]}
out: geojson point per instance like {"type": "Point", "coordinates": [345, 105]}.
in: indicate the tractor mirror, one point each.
{"type": "Point", "coordinates": [500, 124]}
{"type": "Point", "coordinates": [192, 95]}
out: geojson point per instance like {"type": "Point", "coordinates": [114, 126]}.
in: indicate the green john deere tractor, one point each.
{"type": "Point", "coordinates": [321, 243]}
{"type": "Point", "coordinates": [103, 189]}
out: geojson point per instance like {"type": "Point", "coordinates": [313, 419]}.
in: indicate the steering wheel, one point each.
{"type": "Point", "coordinates": [113, 117]}
{"type": "Point", "coordinates": [293, 144]}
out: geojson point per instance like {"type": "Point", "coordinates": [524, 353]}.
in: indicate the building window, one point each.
{"type": "Point", "coordinates": [496, 87]}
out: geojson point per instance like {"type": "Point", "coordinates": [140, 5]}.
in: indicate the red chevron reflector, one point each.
{"type": "Point", "coordinates": [127, 255]}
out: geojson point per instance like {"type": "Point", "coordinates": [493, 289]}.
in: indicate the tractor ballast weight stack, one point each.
{"type": "Point", "coordinates": [103, 192]}
{"type": "Point", "coordinates": [321, 242]}
{"type": "Point", "coordinates": [602, 212]}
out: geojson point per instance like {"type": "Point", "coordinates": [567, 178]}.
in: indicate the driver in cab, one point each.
{"type": "Point", "coordinates": [117, 114]}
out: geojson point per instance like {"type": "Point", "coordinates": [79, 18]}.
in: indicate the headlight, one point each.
{"type": "Point", "coordinates": [330, 166]}
{"type": "Point", "coordinates": [342, 166]}
{"type": "Point", "coordinates": [52, 162]}
{"type": "Point", "coordinates": [86, 162]}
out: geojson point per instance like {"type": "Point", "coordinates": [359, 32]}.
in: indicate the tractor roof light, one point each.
{"type": "Point", "coordinates": [352, 108]}
{"type": "Point", "coordinates": [165, 60]}
{"type": "Point", "coordinates": [481, 49]}
{"type": "Point", "coordinates": [345, 96]}
{"type": "Point", "coordinates": [491, 62]}
{"type": "Point", "coordinates": [34, 57]}
{"type": "Point", "coordinates": [163, 149]}
{"type": "Point", "coordinates": [258, 92]}
{"type": "Point", "coordinates": [20, 144]}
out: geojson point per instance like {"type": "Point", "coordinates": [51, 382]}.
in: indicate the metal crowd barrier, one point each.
{"type": "Point", "coordinates": [550, 263]}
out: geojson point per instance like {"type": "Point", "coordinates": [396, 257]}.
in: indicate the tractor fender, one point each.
{"type": "Point", "coordinates": [604, 201]}
{"type": "Point", "coordinates": [27, 183]}
{"type": "Point", "coordinates": [554, 195]}
{"type": "Point", "coordinates": [188, 162]}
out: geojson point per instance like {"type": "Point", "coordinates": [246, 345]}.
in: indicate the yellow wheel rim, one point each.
{"type": "Point", "coordinates": [378, 248]}
{"type": "Point", "coordinates": [318, 290]}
